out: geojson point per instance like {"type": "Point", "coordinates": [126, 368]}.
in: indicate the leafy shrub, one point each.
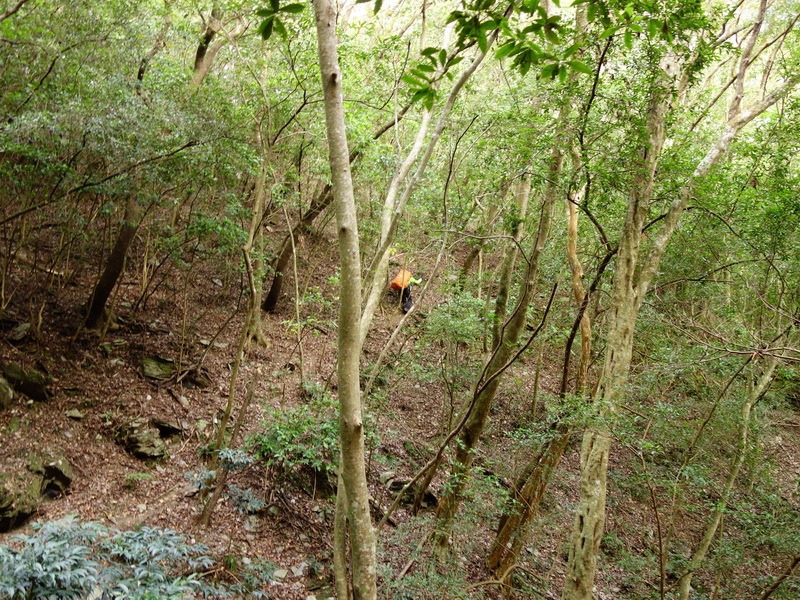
{"type": "Point", "coordinates": [66, 559]}
{"type": "Point", "coordinates": [245, 500]}
{"type": "Point", "coordinates": [303, 436]}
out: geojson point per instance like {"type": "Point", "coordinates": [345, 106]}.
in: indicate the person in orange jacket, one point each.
{"type": "Point", "coordinates": [402, 283]}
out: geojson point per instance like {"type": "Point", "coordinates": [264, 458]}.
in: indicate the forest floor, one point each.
{"type": "Point", "coordinates": [101, 376]}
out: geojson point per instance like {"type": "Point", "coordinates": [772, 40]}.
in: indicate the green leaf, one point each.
{"type": "Point", "coordinates": [278, 25]}
{"type": "Point", "coordinates": [608, 32]}
{"type": "Point", "coordinates": [628, 38]}
{"type": "Point", "coordinates": [411, 80]}
{"type": "Point", "coordinates": [419, 95]}
{"type": "Point", "coordinates": [275, 4]}
{"type": "Point", "coordinates": [265, 12]}
{"type": "Point", "coordinates": [505, 50]}
{"type": "Point", "coordinates": [265, 29]}
{"type": "Point", "coordinates": [549, 71]}
{"type": "Point", "coordinates": [579, 66]}
{"type": "Point", "coordinates": [378, 4]}
{"type": "Point", "coordinates": [551, 35]}
{"type": "Point", "coordinates": [425, 68]}
{"type": "Point", "coordinates": [442, 57]}
{"type": "Point", "coordinates": [429, 51]}
{"type": "Point", "coordinates": [653, 25]}
{"type": "Point", "coordinates": [294, 8]}
{"type": "Point", "coordinates": [483, 43]}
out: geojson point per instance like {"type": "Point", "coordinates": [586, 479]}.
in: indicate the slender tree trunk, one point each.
{"type": "Point", "coordinates": [629, 290]}
{"type": "Point", "coordinates": [509, 335]}
{"type": "Point", "coordinates": [510, 259]}
{"type": "Point", "coordinates": [115, 264]}
{"type": "Point", "coordinates": [515, 523]}
{"type": "Point", "coordinates": [736, 464]}
{"type": "Point", "coordinates": [351, 427]}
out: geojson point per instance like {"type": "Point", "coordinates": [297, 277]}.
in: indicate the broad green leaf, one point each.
{"type": "Point", "coordinates": [411, 80]}
{"type": "Point", "coordinates": [275, 4]}
{"type": "Point", "coordinates": [579, 66]}
{"type": "Point", "coordinates": [628, 38]}
{"type": "Point", "coordinates": [265, 29]}
{"type": "Point", "coordinates": [505, 50]}
{"type": "Point", "coordinates": [480, 37]}
{"type": "Point", "coordinates": [293, 8]}
{"type": "Point", "coordinates": [442, 57]}
{"type": "Point", "coordinates": [608, 32]}
{"type": "Point", "coordinates": [279, 27]}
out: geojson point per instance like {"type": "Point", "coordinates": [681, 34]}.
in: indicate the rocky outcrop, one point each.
{"type": "Point", "coordinates": [21, 491]}
{"type": "Point", "coordinates": [30, 382]}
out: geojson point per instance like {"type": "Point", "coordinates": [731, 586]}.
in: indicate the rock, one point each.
{"type": "Point", "coordinates": [56, 472]}
{"type": "Point", "coordinates": [142, 440]}
{"type": "Point", "coordinates": [280, 574]}
{"type": "Point", "coordinates": [21, 491]}
{"type": "Point", "coordinates": [13, 425]}
{"type": "Point", "coordinates": [198, 377]}
{"type": "Point", "coordinates": [30, 382]}
{"type": "Point", "coordinates": [299, 570]}
{"type": "Point", "coordinates": [158, 367]}
{"type": "Point", "coordinates": [74, 414]}
{"type": "Point", "coordinates": [165, 428]}
{"type": "Point", "coordinates": [387, 476]}
{"type": "Point", "coordinates": [19, 497]}
{"type": "Point", "coordinates": [6, 393]}
{"type": "Point", "coordinates": [252, 524]}
{"type": "Point", "coordinates": [19, 333]}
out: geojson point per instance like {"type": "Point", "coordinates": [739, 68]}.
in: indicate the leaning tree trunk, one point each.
{"type": "Point", "coordinates": [509, 335]}
{"type": "Point", "coordinates": [351, 426]}
{"type": "Point", "coordinates": [114, 265]}
{"type": "Point", "coordinates": [527, 495]}
{"type": "Point", "coordinates": [737, 461]}
{"type": "Point", "coordinates": [628, 294]}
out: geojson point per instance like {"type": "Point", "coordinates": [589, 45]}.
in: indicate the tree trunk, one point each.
{"type": "Point", "coordinates": [628, 293]}
{"type": "Point", "coordinates": [515, 523]}
{"type": "Point", "coordinates": [509, 335]}
{"type": "Point", "coordinates": [351, 428]}
{"type": "Point", "coordinates": [114, 265]}
{"type": "Point", "coordinates": [510, 259]}
{"type": "Point", "coordinates": [736, 464]}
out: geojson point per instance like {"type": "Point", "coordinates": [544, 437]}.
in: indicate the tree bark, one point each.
{"type": "Point", "coordinates": [351, 428]}
{"type": "Point", "coordinates": [114, 265]}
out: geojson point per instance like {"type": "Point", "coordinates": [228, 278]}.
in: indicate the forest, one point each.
{"type": "Point", "coordinates": [400, 299]}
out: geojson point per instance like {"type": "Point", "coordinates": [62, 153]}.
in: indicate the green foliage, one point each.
{"type": "Point", "coordinates": [68, 559]}
{"type": "Point", "coordinates": [235, 459]}
{"type": "Point", "coordinates": [245, 500]}
{"type": "Point", "coordinates": [303, 436]}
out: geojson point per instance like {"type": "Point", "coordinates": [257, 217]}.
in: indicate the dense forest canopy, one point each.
{"type": "Point", "coordinates": [599, 203]}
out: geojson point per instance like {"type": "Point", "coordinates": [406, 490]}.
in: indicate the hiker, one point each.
{"type": "Point", "coordinates": [402, 283]}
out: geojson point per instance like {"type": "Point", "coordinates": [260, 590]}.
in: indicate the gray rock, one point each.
{"type": "Point", "coordinates": [280, 574]}
{"type": "Point", "coordinates": [75, 414]}
{"type": "Point", "coordinates": [158, 367]}
{"type": "Point", "coordinates": [34, 384]}
{"type": "Point", "coordinates": [56, 472]}
{"type": "Point", "coordinates": [142, 440]}
{"type": "Point", "coordinates": [19, 497]}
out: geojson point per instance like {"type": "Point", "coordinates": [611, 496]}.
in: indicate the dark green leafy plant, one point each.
{"type": "Point", "coordinates": [68, 559]}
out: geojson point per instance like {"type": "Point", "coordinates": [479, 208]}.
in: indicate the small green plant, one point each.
{"type": "Point", "coordinates": [132, 480]}
{"type": "Point", "coordinates": [245, 500]}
